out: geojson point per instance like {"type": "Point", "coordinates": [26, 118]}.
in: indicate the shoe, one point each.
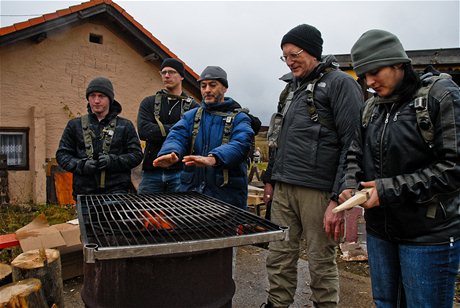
{"type": "Point", "coordinates": [268, 304]}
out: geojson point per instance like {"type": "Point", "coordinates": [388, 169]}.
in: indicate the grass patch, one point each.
{"type": "Point", "coordinates": [13, 217]}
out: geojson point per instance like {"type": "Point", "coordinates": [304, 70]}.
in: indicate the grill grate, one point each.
{"type": "Point", "coordinates": [114, 226]}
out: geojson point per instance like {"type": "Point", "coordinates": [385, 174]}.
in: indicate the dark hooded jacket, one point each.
{"type": "Point", "coordinates": [231, 156]}
{"type": "Point", "coordinates": [125, 153]}
{"type": "Point", "coordinates": [411, 177]}
{"type": "Point", "coordinates": [310, 154]}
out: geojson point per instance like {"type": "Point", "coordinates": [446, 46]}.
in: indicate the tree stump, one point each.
{"type": "Point", "coordinates": [5, 274]}
{"type": "Point", "coordinates": [23, 294]}
{"type": "Point", "coordinates": [44, 264]}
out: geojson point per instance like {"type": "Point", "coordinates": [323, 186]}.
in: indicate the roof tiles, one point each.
{"type": "Point", "coordinates": [85, 5]}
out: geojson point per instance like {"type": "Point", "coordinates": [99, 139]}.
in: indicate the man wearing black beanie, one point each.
{"type": "Point", "coordinates": [318, 113]}
{"type": "Point", "coordinates": [157, 114]}
{"type": "Point", "coordinates": [100, 148]}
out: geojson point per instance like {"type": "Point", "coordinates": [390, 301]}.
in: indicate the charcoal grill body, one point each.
{"type": "Point", "coordinates": [164, 250]}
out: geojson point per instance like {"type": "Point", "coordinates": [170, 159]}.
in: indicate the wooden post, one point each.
{"type": "Point", "coordinates": [5, 274]}
{"type": "Point", "coordinates": [44, 264]}
{"type": "Point", "coordinates": [23, 294]}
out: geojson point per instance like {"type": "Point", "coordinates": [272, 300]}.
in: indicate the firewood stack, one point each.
{"type": "Point", "coordinates": [36, 273]}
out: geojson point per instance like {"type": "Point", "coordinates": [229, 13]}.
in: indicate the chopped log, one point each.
{"type": "Point", "coordinates": [5, 274]}
{"type": "Point", "coordinates": [44, 264]}
{"type": "Point", "coordinates": [23, 294]}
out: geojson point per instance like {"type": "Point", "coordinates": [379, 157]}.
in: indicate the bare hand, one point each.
{"type": "Point", "coordinates": [333, 223]}
{"type": "Point", "coordinates": [268, 193]}
{"type": "Point", "coordinates": [345, 195]}
{"type": "Point", "coordinates": [166, 160]}
{"type": "Point", "coordinates": [199, 161]}
{"type": "Point", "coordinates": [373, 200]}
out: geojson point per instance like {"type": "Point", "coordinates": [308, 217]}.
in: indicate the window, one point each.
{"type": "Point", "coordinates": [94, 38]}
{"type": "Point", "coordinates": [14, 144]}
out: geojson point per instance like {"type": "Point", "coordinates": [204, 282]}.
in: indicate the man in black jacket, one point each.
{"type": "Point", "coordinates": [100, 148]}
{"type": "Point", "coordinates": [320, 112]}
{"type": "Point", "coordinates": [157, 114]}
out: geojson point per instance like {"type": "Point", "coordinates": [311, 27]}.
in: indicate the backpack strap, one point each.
{"type": "Point", "coordinates": [424, 122]}
{"type": "Point", "coordinates": [310, 89]}
{"type": "Point", "coordinates": [156, 113]}
{"type": "Point", "coordinates": [368, 112]}
{"type": "Point", "coordinates": [88, 136]}
{"type": "Point", "coordinates": [108, 133]}
{"type": "Point", "coordinates": [196, 127]}
{"type": "Point", "coordinates": [228, 119]}
{"type": "Point", "coordinates": [422, 112]}
{"type": "Point", "coordinates": [186, 104]}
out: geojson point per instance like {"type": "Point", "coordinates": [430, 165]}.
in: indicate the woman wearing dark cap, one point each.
{"type": "Point", "coordinates": [408, 151]}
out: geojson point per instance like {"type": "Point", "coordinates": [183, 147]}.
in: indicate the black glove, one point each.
{"type": "Point", "coordinates": [103, 161]}
{"type": "Point", "coordinates": [90, 166]}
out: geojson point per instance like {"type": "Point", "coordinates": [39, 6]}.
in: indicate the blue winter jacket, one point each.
{"type": "Point", "coordinates": [231, 156]}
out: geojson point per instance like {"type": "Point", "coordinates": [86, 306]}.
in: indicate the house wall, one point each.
{"type": "Point", "coordinates": [43, 85]}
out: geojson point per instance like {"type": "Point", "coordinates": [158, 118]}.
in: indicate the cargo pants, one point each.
{"type": "Point", "coordinates": [302, 209]}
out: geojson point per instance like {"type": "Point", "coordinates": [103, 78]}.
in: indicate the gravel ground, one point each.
{"type": "Point", "coordinates": [251, 284]}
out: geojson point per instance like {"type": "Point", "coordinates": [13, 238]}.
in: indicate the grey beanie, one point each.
{"type": "Point", "coordinates": [306, 37]}
{"type": "Point", "coordinates": [175, 64]}
{"type": "Point", "coordinates": [214, 73]}
{"type": "Point", "coordinates": [102, 85]}
{"type": "Point", "coordinates": [375, 49]}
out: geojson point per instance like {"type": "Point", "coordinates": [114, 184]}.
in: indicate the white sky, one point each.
{"type": "Point", "coordinates": [243, 37]}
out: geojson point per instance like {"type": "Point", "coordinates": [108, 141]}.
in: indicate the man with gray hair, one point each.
{"type": "Point", "coordinates": [320, 113]}
{"type": "Point", "coordinates": [213, 141]}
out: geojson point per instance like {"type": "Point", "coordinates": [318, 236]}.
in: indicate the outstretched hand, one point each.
{"type": "Point", "coordinates": [199, 161]}
{"type": "Point", "coordinates": [166, 160]}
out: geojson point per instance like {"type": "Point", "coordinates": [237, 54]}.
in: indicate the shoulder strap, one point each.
{"type": "Point", "coordinates": [424, 122]}
{"type": "Point", "coordinates": [156, 113]}
{"type": "Point", "coordinates": [226, 136]}
{"type": "Point", "coordinates": [311, 100]}
{"type": "Point", "coordinates": [186, 104]}
{"type": "Point", "coordinates": [229, 117]}
{"type": "Point", "coordinates": [229, 123]}
{"type": "Point", "coordinates": [421, 108]}
{"type": "Point", "coordinates": [108, 132]}
{"type": "Point", "coordinates": [87, 135]}
{"type": "Point", "coordinates": [196, 127]}
{"type": "Point", "coordinates": [368, 112]}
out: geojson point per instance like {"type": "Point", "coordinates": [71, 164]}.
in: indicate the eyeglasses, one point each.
{"type": "Point", "coordinates": [170, 73]}
{"type": "Point", "coordinates": [293, 56]}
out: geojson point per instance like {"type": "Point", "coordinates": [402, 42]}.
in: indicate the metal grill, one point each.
{"type": "Point", "coordinates": [123, 226]}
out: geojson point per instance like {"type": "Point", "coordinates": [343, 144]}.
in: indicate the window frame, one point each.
{"type": "Point", "coordinates": [19, 130]}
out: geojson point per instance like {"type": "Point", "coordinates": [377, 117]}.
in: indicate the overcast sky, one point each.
{"type": "Point", "coordinates": [243, 37]}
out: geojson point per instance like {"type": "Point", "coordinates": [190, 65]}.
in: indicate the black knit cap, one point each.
{"type": "Point", "coordinates": [175, 64]}
{"type": "Point", "coordinates": [214, 73]}
{"type": "Point", "coordinates": [306, 37]}
{"type": "Point", "coordinates": [102, 85]}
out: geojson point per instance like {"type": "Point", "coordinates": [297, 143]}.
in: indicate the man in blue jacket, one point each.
{"type": "Point", "coordinates": [213, 141]}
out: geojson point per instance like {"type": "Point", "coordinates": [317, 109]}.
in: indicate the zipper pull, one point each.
{"type": "Point", "coordinates": [396, 116]}
{"type": "Point", "coordinates": [388, 116]}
